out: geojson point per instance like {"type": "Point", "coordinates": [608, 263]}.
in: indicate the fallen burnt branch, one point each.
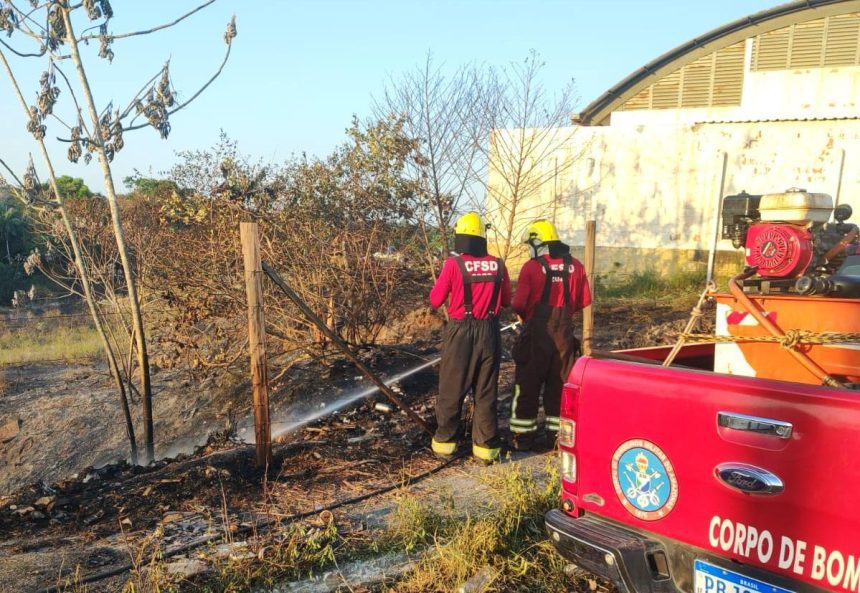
{"type": "Point", "coordinates": [263, 526]}
{"type": "Point", "coordinates": [385, 389]}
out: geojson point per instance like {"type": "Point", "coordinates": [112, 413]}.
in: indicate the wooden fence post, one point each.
{"type": "Point", "coordinates": [249, 235]}
{"type": "Point", "coordinates": [588, 312]}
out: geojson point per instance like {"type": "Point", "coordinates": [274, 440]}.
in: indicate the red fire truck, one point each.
{"type": "Point", "coordinates": [733, 469]}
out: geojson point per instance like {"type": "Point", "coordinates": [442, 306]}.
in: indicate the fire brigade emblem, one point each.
{"type": "Point", "coordinates": [644, 479]}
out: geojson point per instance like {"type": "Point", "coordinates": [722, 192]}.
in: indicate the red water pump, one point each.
{"type": "Point", "coordinates": [779, 250]}
{"type": "Point", "coordinates": [792, 243]}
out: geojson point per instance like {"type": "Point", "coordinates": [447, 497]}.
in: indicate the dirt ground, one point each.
{"type": "Point", "coordinates": [58, 513]}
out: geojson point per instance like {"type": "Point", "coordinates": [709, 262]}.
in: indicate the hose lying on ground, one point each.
{"type": "Point", "coordinates": [269, 522]}
{"type": "Point", "coordinates": [262, 525]}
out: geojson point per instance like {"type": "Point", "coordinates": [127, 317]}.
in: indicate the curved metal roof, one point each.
{"type": "Point", "coordinates": [761, 22]}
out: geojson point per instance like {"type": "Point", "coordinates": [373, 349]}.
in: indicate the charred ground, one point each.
{"type": "Point", "coordinates": [93, 517]}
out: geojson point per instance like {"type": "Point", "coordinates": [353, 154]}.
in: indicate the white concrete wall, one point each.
{"type": "Point", "coordinates": [811, 92]}
{"type": "Point", "coordinates": [652, 177]}
{"type": "Point", "coordinates": [656, 187]}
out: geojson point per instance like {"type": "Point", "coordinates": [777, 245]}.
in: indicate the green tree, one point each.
{"type": "Point", "coordinates": [149, 187]}
{"type": "Point", "coordinates": [73, 187]}
{"type": "Point", "coordinates": [12, 226]}
{"type": "Point", "coordinates": [363, 181]}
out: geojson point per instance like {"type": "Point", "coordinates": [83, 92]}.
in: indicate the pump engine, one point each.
{"type": "Point", "coordinates": [793, 244]}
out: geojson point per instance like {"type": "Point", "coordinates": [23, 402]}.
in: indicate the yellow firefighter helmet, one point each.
{"type": "Point", "coordinates": [540, 231]}
{"type": "Point", "coordinates": [471, 223]}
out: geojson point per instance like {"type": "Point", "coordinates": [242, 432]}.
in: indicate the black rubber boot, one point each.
{"type": "Point", "coordinates": [523, 442]}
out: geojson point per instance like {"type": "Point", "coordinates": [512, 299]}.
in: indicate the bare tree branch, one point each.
{"type": "Point", "coordinates": [74, 98]}
{"type": "Point", "coordinates": [24, 55]}
{"type": "Point", "coordinates": [11, 172]}
{"type": "Point", "coordinates": [86, 38]}
{"type": "Point", "coordinates": [25, 16]}
{"type": "Point", "coordinates": [436, 108]}
{"type": "Point", "coordinates": [528, 131]}
{"type": "Point", "coordinates": [142, 90]}
{"type": "Point", "coordinates": [179, 106]}
{"type": "Point", "coordinates": [194, 96]}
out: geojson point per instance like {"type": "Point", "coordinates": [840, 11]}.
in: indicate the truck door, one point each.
{"type": "Point", "coordinates": [760, 471]}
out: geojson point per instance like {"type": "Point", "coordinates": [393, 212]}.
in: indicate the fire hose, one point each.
{"type": "Point", "coordinates": [842, 245]}
{"type": "Point", "coordinates": [810, 365]}
{"type": "Point", "coordinates": [267, 523]}
{"type": "Point", "coordinates": [787, 339]}
{"type": "Point", "coordinates": [260, 527]}
{"type": "Point", "coordinates": [381, 385]}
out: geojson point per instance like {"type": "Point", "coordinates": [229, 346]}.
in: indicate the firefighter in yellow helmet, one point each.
{"type": "Point", "coordinates": [478, 287]}
{"type": "Point", "coordinates": [552, 286]}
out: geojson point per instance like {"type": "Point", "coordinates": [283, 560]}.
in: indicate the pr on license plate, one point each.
{"type": "Point", "coordinates": [713, 579]}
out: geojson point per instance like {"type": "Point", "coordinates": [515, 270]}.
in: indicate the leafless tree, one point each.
{"type": "Point", "coordinates": [493, 140]}
{"type": "Point", "coordinates": [51, 27]}
{"type": "Point", "coordinates": [525, 151]}
{"type": "Point", "coordinates": [439, 111]}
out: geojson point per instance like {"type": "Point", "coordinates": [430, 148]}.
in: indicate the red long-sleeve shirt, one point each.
{"type": "Point", "coordinates": [531, 281]}
{"type": "Point", "coordinates": [450, 283]}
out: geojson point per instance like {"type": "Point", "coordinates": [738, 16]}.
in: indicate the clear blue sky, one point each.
{"type": "Point", "coordinates": [301, 68]}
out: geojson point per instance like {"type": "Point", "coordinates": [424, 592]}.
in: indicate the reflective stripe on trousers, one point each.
{"type": "Point", "coordinates": [443, 448]}
{"type": "Point", "coordinates": [520, 425]}
{"type": "Point", "coordinates": [485, 453]}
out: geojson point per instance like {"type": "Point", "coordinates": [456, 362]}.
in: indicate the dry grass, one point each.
{"type": "Point", "coordinates": [47, 340]}
{"type": "Point", "coordinates": [504, 542]}
{"type": "Point", "coordinates": [282, 555]}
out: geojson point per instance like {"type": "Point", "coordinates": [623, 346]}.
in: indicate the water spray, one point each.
{"type": "Point", "coordinates": [344, 347]}
{"type": "Point", "coordinates": [313, 412]}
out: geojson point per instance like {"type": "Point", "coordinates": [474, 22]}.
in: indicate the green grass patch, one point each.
{"type": "Point", "coordinates": [47, 340]}
{"type": "Point", "coordinates": [648, 285]}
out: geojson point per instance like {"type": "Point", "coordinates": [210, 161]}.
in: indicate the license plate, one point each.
{"type": "Point", "coordinates": [713, 579]}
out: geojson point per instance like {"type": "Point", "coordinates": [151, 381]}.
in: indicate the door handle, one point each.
{"type": "Point", "coordinates": [755, 424]}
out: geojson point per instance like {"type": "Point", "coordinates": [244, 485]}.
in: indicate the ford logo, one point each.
{"type": "Point", "coordinates": [749, 479]}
